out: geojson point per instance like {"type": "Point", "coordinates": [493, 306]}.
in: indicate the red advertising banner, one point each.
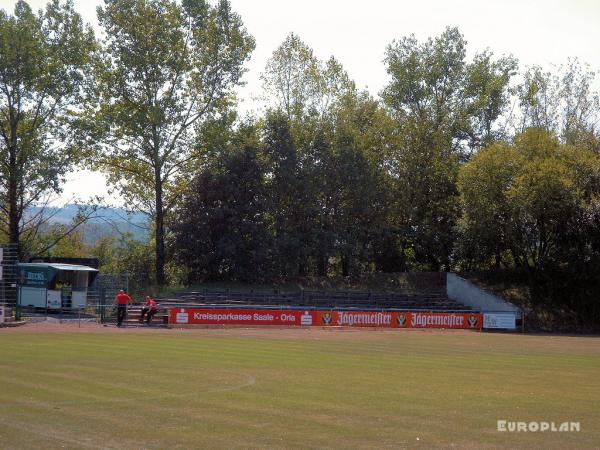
{"type": "Point", "coordinates": [184, 316]}
{"type": "Point", "coordinates": [371, 319]}
{"type": "Point", "coordinates": [441, 320]}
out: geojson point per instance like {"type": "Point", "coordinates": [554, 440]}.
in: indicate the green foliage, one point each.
{"type": "Point", "coordinates": [323, 141]}
{"type": "Point", "coordinates": [164, 68]}
{"type": "Point", "coordinates": [483, 184]}
{"type": "Point", "coordinates": [221, 229]}
{"type": "Point", "coordinates": [122, 255]}
{"type": "Point", "coordinates": [297, 83]}
{"type": "Point", "coordinates": [330, 181]}
{"type": "Point", "coordinates": [533, 205]}
{"type": "Point", "coordinates": [488, 93]}
{"type": "Point", "coordinates": [319, 203]}
{"type": "Point", "coordinates": [445, 108]}
{"type": "Point", "coordinates": [562, 102]}
{"type": "Point", "coordinates": [522, 199]}
{"type": "Point", "coordinates": [357, 194]}
{"type": "Point", "coordinates": [68, 244]}
{"type": "Point", "coordinates": [44, 61]}
{"type": "Point", "coordinates": [291, 210]}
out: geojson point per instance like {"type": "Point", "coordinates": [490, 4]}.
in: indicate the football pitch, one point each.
{"type": "Point", "coordinates": [96, 387]}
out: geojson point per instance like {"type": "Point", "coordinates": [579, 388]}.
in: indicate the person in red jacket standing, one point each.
{"type": "Point", "coordinates": [150, 309]}
{"type": "Point", "coordinates": [121, 300]}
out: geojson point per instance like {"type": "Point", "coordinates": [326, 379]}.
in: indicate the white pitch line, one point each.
{"type": "Point", "coordinates": [250, 381]}
{"type": "Point", "coordinates": [53, 435]}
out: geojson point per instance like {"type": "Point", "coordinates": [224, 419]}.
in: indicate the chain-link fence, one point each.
{"type": "Point", "coordinates": [9, 258]}
{"type": "Point", "coordinates": [101, 295]}
{"type": "Point", "coordinates": [97, 306]}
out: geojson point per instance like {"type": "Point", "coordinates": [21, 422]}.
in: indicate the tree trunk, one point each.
{"type": "Point", "coordinates": [447, 260]}
{"type": "Point", "coordinates": [345, 265]}
{"type": "Point", "coordinates": [302, 267]}
{"type": "Point", "coordinates": [14, 214]}
{"type": "Point", "coordinates": [160, 231]}
{"type": "Point", "coordinates": [322, 265]}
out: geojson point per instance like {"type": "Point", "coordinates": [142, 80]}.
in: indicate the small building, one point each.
{"type": "Point", "coordinates": [54, 285]}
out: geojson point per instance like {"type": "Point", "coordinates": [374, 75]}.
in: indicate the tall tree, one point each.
{"type": "Point", "coordinates": [222, 231]}
{"type": "Point", "coordinates": [290, 205]}
{"type": "Point", "coordinates": [43, 61]}
{"type": "Point", "coordinates": [488, 92]}
{"type": "Point", "coordinates": [522, 201]}
{"type": "Point", "coordinates": [445, 108]}
{"type": "Point", "coordinates": [426, 95]}
{"type": "Point", "coordinates": [483, 184]}
{"type": "Point", "coordinates": [316, 157]}
{"type": "Point", "coordinates": [361, 192]}
{"type": "Point", "coordinates": [166, 67]}
{"type": "Point", "coordinates": [562, 102]}
{"type": "Point", "coordinates": [297, 83]}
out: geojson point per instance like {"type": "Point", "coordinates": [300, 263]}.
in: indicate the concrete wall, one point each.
{"type": "Point", "coordinates": [469, 294]}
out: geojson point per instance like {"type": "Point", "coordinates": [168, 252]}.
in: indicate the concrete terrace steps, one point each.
{"type": "Point", "coordinates": [317, 299]}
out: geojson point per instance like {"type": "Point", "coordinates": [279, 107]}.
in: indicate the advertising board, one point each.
{"type": "Point", "coordinates": [505, 321]}
{"type": "Point", "coordinates": [299, 317]}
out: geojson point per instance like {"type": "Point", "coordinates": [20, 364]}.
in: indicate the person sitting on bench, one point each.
{"type": "Point", "coordinates": [149, 309]}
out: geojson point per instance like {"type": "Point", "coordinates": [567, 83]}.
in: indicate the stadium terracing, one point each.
{"type": "Point", "coordinates": [455, 304]}
{"type": "Point", "coordinates": [217, 298]}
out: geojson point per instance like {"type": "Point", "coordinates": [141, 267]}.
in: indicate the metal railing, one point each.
{"type": "Point", "coordinates": [9, 258]}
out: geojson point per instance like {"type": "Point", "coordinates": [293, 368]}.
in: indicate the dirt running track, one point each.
{"type": "Point", "coordinates": [312, 333]}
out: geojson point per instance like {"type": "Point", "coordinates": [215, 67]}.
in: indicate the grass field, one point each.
{"type": "Point", "coordinates": [97, 387]}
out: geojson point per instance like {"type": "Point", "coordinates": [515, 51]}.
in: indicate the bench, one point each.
{"type": "Point", "coordinates": [134, 313]}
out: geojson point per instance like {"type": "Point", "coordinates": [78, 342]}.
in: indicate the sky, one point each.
{"type": "Point", "coordinates": [537, 32]}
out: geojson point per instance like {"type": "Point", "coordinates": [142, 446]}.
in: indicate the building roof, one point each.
{"type": "Point", "coordinates": [58, 266]}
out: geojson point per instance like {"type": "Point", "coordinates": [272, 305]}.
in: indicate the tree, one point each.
{"type": "Point", "coordinates": [166, 67]}
{"type": "Point", "coordinates": [483, 184]}
{"type": "Point", "coordinates": [488, 93]}
{"type": "Point", "coordinates": [125, 254]}
{"type": "Point", "coordinates": [44, 59]}
{"type": "Point", "coordinates": [426, 97]}
{"type": "Point", "coordinates": [523, 201]}
{"type": "Point", "coordinates": [445, 109]}
{"type": "Point", "coordinates": [297, 83]}
{"type": "Point", "coordinates": [290, 76]}
{"type": "Point", "coordinates": [563, 103]}
{"type": "Point", "coordinates": [532, 205]}
{"type": "Point", "coordinates": [355, 195]}
{"type": "Point", "coordinates": [71, 245]}
{"type": "Point", "coordinates": [221, 230]}
{"type": "Point", "coordinates": [291, 206]}
{"type": "Point", "coordinates": [319, 147]}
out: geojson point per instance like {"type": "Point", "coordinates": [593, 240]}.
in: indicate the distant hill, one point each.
{"type": "Point", "coordinates": [110, 222]}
